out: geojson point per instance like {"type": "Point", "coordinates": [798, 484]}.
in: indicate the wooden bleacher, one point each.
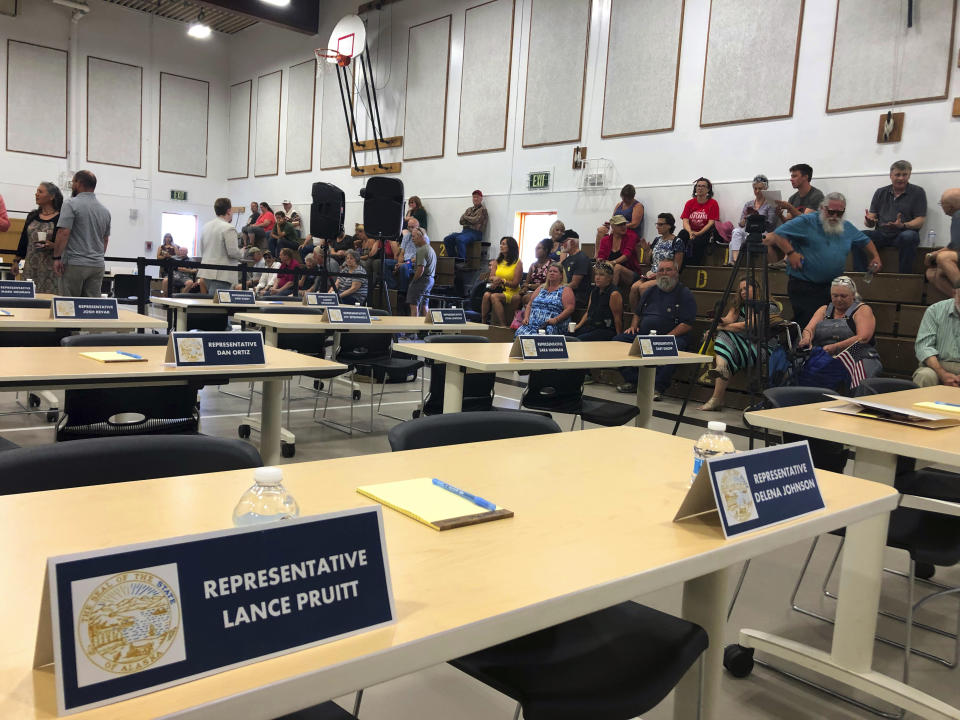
{"type": "Point", "coordinates": [9, 241]}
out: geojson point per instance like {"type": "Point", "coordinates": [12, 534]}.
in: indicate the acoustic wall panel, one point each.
{"type": "Point", "coordinates": [184, 113]}
{"type": "Point", "coordinates": [485, 77]}
{"type": "Point", "coordinates": [301, 99]}
{"type": "Point", "coordinates": [114, 112]}
{"type": "Point", "coordinates": [643, 65]}
{"type": "Point", "coordinates": [238, 140]}
{"type": "Point", "coordinates": [878, 60]}
{"type": "Point", "coordinates": [428, 67]}
{"type": "Point", "coordinates": [36, 99]}
{"type": "Point", "coordinates": [764, 37]}
{"type": "Point", "coordinates": [334, 134]}
{"type": "Point", "coordinates": [556, 71]}
{"type": "Point", "coordinates": [267, 155]}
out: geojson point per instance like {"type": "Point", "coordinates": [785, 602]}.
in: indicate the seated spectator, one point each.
{"type": "Point", "coordinates": [254, 257]}
{"type": "Point", "coordinates": [806, 199]}
{"type": "Point", "coordinates": [285, 234]}
{"type": "Point", "coordinates": [631, 209]}
{"type": "Point", "coordinates": [699, 216]}
{"type": "Point", "coordinates": [551, 306]}
{"type": "Point", "coordinates": [735, 349]}
{"type": "Point", "coordinates": [503, 284]}
{"type": "Point", "coordinates": [307, 246]}
{"type": "Point", "coordinates": [942, 270]}
{"type": "Point", "coordinates": [618, 246]}
{"type": "Point", "coordinates": [369, 251]}
{"type": "Point", "coordinates": [311, 275]}
{"type": "Point", "coordinates": [665, 246]}
{"type": "Point", "coordinates": [842, 322]}
{"type": "Point", "coordinates": [897, 212]}
{"type": "Point", "coordinates": [247, 229]}
{"type": "Point", "coordinates": [576, 267]}
{"type": "Point", "coordinates": [399, 270]}
{"type": "Point", "coordinates": [537, 274]}
{"type": "Point", "coordinates": [938, 344]}
{"type": "Point", "coordinates": [425, 270]}
{"type": "Point", "coordinates": [339, 247]}
{"type": "Point", "coordinates": [293, 216]}
{"type": "Point", "coordinates": [416, 210]}
{"type": "Point", "coordinates": [322, 281]}
{"type": "Point", "coordinates": [556, 240]}
{"type": "Point", "coordinates": [287, 279]}
{"type": "Point", "coordinates": [473, 222]}
{"type": "Point", "coordinates": [603, 319]}
{"type": "Point", "coordinates": [351, 285]}
{"type": "Point", "coordinates": [265, 222]}
{"type": "Point", "coordinates": [758, 205]}
{"type": "Point", "coordinates": [183, 277]}
{"type": "Point", "coordinates": [267, 281]}
{"type": "Point", "coordinates": [666, 309]}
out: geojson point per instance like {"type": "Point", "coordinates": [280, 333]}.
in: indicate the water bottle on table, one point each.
{"type": "Point", "coordinates": [713, 442]}
{"type": "Point", "coordinates": [932, 238]}
{"type": "Point", "coordinates": [266, 501]}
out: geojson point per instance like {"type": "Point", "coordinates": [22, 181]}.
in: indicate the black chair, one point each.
{"type": "Point", "coordinates": [109, 460]}
{"type": "Point", "coordinates": [134, 410]}
{"type": "Point", "coordinates": [457, 428]}
{"type": "Point", "coordinates": [7, 445]}
{"type": "Point", "coordinates": [477, 387]}
{"type": "Point", "coordinates": [127, 288]}
{"type": "Point", "coordinates": [211, 321]}
{"type": "Point", "coordinates": [325, 711]}
{"type": "Point", "coordinates": [876, 386]}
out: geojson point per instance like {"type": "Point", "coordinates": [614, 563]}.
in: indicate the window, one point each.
{"type": "Point", "coordinates": [531, 228]}
{"type": "Point", "coordinates": [183, 228]}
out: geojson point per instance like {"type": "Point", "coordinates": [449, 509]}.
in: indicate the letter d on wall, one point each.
{"type": "Point", "coordinates": [701, 279]}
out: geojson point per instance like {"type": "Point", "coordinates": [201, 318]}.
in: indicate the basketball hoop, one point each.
{"type": "Point", "coordinates": [332, 56]}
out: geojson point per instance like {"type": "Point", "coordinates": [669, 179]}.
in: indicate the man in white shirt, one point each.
{"type": "Point", "coordinates": [254, 256]}
{"type": "Point", "coordinates": [267, 279]}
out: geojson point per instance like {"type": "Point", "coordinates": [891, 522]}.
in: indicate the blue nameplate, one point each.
{"type": "Point", "coordinates": [321, 299]}
{"type": "Point", "coordinates": [130, 620]}
{"type": "Point", "coordinates": [64, 308]}
{"type": "Point", "coordinates": [654, 346]}
{"type": "Point", "coordinates": [235, 297]}
{"type": "Point", "coordinates": [755, 489]}
{"type": "Point", "coordinates": [344, 314]}
{"type": "Point", "coordinates": [215, 348]}
{"type": "Point", "coordinates": [447, 316]}
{"type": "Point", "coordinates": [17, 289]}
{"type": "Point", "coordinates": [539, 347]}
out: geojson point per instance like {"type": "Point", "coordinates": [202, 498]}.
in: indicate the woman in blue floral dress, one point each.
{"type": "Point", "coordinates": [551, 307]}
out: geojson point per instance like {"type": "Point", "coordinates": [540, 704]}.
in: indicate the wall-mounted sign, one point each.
{"type": "Point", "coordinates": [538, 180]}
{"type": "Point", "coordinates": [178, 195]}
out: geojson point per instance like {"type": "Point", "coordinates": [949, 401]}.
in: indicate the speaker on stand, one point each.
{"type": "Point", "coordinates": [382, 220]}
{"type": "Point", "coordinates": [326, 219]}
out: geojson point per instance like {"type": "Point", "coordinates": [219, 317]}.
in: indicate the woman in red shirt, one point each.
{"type": "Point", "coordinates": [618, 246]}
{"type": "Point", "coordinates": [700, 216]}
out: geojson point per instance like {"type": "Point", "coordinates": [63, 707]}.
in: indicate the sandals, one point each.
{"type": "Point", "coordinates": [711, 405]}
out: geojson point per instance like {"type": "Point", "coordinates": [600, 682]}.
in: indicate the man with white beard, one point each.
{"type": "Point", "coordinates": [816, 246]}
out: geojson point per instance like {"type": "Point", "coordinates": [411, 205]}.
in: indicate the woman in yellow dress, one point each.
{"type": "Point", "coordinates": [503, 287]}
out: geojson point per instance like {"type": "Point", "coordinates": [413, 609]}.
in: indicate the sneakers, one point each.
{"type": "Point", "coordinates": [779, 265]}
{"type": "Point", "coordinates": [657, 396]}
{"type": "Point", "coordinates": [627, 388]}
{"type": "Point", "coordinates": [588, 379]}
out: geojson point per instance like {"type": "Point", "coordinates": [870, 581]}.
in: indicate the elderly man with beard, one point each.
{"type": "Point", "coordinates": [816, 246]}
{"type": "Point", "coordinates": [668, 308]}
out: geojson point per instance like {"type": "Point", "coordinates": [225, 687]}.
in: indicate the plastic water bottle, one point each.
{"type": "Point", "coordinates": [266, 501]}
{"type": "Point", "coordinates": [868, 275]}
{"type": "Point", "coordinates": [932, 238]}
{"type": "Point", "coordinates": [713, 442]}
{"type": "Point", "coordinates": [572, 326]}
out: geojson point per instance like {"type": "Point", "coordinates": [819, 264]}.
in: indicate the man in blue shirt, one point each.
{"type": "Point", "coordinates": [668, 308]}
{"type": "Point", "coordinates": [398, 271]}
{"type": "Point", "coordinates": [816, 246]}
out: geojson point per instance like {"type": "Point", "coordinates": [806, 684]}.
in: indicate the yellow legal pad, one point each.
{"type": "Point", "coordinates": [941, 407]}
{"type": "Point", "coordinates": [432, 505]}
{"type": "Point", "coordinates": [111, 356]}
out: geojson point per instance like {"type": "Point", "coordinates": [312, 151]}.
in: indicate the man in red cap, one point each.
{"type": "Point", "coordinates": [474, 222]}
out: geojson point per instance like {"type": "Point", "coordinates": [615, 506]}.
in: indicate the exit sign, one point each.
{"type": "Point", "coordinates": [538, 180]}
{"type": "Point", "coordinates": [178, 195]}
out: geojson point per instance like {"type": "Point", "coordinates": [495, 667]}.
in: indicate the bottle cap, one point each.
{"type": "Point", "coordinates": [717, 426]}
{"type": "Point", "coordinates": [268, 476]}
{"type": "Point", "coordinates": [652, 332]}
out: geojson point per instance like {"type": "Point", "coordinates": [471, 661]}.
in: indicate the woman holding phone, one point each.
{"type": "Point", "coordinates": [36, 240]}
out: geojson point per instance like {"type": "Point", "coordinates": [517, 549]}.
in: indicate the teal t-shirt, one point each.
{"type": "Point", "coordinates": [824, 256]}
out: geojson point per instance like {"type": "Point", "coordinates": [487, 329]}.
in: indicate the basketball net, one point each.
{"type": "Point", "coordinates": [325, 54]}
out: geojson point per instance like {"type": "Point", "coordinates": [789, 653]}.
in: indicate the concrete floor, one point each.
{"type": "Point", "coordinates": [442, 692]}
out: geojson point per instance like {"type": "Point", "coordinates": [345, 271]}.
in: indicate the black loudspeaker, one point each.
{"type": "Point", "coordinates": [326, 212]}
{"type": "Point", "coordinates": [383, 207]}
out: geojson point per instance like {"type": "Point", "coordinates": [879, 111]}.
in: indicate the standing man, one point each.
{"type": "Point", "coordinates": [425, 269]}
{"type": "Point", "coordinates": [942, 270]}
{"type": "Point", "coordinates": [83, 232]}
{"type": "Point", "coordinates": [576, 266]}
{"type": "Point", "coordinates": [221, 246]}
{"type": "Point", "coordinates": [806, 199]}
{"type": "Point", "coordinates": [473, 222]}
{"type": "Point", "coordinates": [816, 247]}
{"type": "Point", "coordinates": [938, 344]}
{"type": "Point", "coordinates": [897, 212]}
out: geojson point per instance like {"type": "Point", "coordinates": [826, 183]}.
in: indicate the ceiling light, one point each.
{"type": "Point", "coordinates": [278, 3]}
{"type": "Point", "coordinates": [199, 29]}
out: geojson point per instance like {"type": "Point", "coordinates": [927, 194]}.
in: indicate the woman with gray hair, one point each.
{"type": "Point", "coordinates": [758, 205]}
{"type": "Point", "coordinates": [351, 285]}
{"type": "Point", "coordinates": [36, 240]}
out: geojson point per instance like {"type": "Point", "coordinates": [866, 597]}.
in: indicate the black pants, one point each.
{"type": "Point", "coordinates": [698, 246]}
{"type": "Point", "coordinates": [806, 298]}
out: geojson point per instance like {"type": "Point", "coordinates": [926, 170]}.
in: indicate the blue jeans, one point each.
{"type": "Point", "coordinates": [664, 373]}
{"type": "Point", "coordinates": [594, 335]}
{"type": "Point", "coordinates": [906, 241]}
{"type": "Point", "coordinates": [456, 243]}
{"type": "Point", "coordinates": [399, 280]}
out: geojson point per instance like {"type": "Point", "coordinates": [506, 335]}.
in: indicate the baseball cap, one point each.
{"type": "Point", "coordinates": [618, 220]}
{"type": "Point", "coordinates": [267, 253]}
{"type": "Point", "coordinates": [253, 250]}
{"type": "Point", "coordinates": [569, 234]}
{"type": "Point", "coordinates": [477, 192]}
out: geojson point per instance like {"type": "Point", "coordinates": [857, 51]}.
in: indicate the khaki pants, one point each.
{"type": "Point", "coordinates": [81, 281]}
{"type": "Point", "coordinates": [926, 377]}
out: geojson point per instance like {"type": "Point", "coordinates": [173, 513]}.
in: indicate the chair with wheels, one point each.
{"type": "Point", "coordinates": [211, 321]}
{"type": "Point", "coordinates": [477, 387]}
{"type": "Point", "coordinates": [555, 390]}
{"type": "Point", "coordinates": [127, 288]}
{"type": "Point", "coordinates": [464, 427]}
{"type": "Point", "coordinates": [99, 461]}
{"type": "Point", "coordinates": [878, 385]}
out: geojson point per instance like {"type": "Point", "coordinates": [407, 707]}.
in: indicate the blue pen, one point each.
{"type": "Point", "coordinates": [485, 504]}
{"type": "Point", "coordinates": [130, 355]}
{"type": "Point", "coordinates": [941, 402]}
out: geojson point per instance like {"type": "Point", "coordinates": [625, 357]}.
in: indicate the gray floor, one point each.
{"type": "Point", "coordinates": [441, 692]}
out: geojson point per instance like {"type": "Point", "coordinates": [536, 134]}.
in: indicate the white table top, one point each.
{"type": "Point", "coordinates": [389, 323]}
{"type": "Point", "coordinates": [39, 319]}
{"type": "Point", "coordinates": [208, 303]}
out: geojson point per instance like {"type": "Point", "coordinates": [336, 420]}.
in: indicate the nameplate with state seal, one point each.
{"type": "Point", "coordinates": [346, 315]}
{"type": "Point", "coordinates": [17, 289]}
{"type": "Point", "coordinates": [125, 621]}
{"type": "Point", "coordinates": [321, 299]}
{"type": "Point", "coordinates": [540, 347]}
{"type": "Point", "coordinates": [446, 316]}
{"type": "Point", "coordinates": [191, 349]}
{"type": "Point", "coordinates": [654, 346]}
{"type": "Point", "coordinates": [235, 297]}
{"type": "Point", "coordinates": [82, 308]}
{"type": "Point", "coordinates": [755, 489]}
